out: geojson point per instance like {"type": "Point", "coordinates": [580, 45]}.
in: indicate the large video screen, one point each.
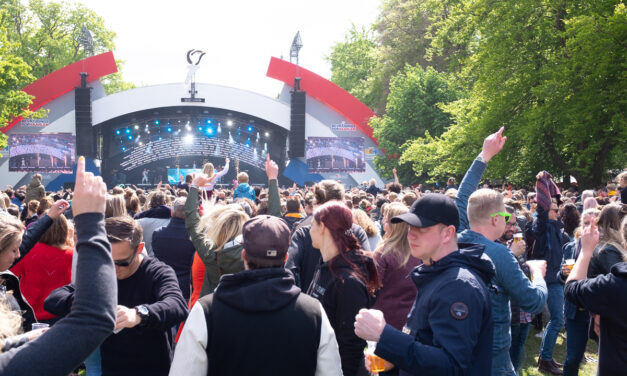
{"type": "Point", "coordinates": [335, 154]}
{"type": "Point", "coordinates": [42, 152]}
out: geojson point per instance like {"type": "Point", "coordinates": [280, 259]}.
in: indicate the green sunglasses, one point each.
{"type": "Point", "coordinates": [507, 216]}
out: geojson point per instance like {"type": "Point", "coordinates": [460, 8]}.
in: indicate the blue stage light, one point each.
{"type": "Point", "coordinates": [160, 138]}
{"type": "Point", "coordinates": [156, 122]}
{"type": "Point", "coordinates": [208, 121]}
{"type": "Point", "coordinates": [210, 130]}
{"type": "Point", "coordinates": [117, 132]}
{"type": "Point", "coordinates": [130, 137]}
{"type": "Point", "coordinates": [200, 129]}
{"type": "Point", "coordinates": [123, 148]}
{"type": "Point", "coordinates": [250, 129]}
{"type": "Point", "coordinates": [169, 129]}
{"type": "Point", "coordinates": [127, 131]}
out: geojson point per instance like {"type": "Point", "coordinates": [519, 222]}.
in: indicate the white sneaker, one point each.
{"type": "Point", "coordinates": [540, 334]}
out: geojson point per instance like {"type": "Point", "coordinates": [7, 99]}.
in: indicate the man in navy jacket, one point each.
{"type": "Point", "coordinates": [449, 329]}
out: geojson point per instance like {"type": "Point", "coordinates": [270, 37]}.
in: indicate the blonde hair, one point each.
{"type": "Point", "coordinates": [361, 218]}
{"type": "Point", "coordinates": [11, 230]}
{"type": "Point", "coordinates": [208, 169]}
{"type": "Point", "coordinates": [624, 231]}
{"type": "Point", "coordinates": [395, 240]}
{"type": "Point", "coordinates": [10, 322]}
{"type": "Point", "coordinates": [483, 203]}
{"type": "Point", "coordinates": [115, 206]}
{"type": "Point", "coordinates": [227, 225]}
{"type": "Point", "coordinates": [242, 177]}
{"type": "Point", "coordinates": [609, 224]}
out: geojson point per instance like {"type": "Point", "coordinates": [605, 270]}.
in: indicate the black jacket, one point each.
{"type": "Point", "coordinates": [342, 294]}
{"type": "Point", "coordinates": [269, 315]}
{"type": "Point", "coordinates": [549, 240]}
{"type": "Point", "coordinates": [162, 211]}
{"type": "Point", "coordinates": [606, 296]}
{"type": "Point", "coordinates": [303, 259]}
{"type": "Point", "coordinates": [171, 245]}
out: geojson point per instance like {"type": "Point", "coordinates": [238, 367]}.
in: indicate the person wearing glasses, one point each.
{"type": "Point", "coordinates": [482, 221]}
{"type": "Point", "coordinates": [150, 304]}
{"type": "Point", "coordinates": [549, 240]}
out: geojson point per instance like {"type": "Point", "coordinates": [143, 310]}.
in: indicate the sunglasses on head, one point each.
{"type": "Point", "coordinates": [507, 216]}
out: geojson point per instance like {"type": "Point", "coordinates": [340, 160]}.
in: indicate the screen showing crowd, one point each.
{"type": "Point", "coordinates": [39, 152]}
{"type": "Point", "coordinates": [335, 154]}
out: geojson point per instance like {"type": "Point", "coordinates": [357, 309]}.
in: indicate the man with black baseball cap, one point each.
{"type": "Point", "coordinates": [449, 329]}
{"type": "Point", "coordinates": [257, 321]}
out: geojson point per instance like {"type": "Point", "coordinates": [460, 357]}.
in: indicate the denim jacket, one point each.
{"type": "Point", "coordinates": [509, 280]}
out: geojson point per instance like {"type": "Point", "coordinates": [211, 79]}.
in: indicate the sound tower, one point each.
{"type": "Point", "coordinates": [85, 140]}
{"type": "Point", "coordinates": [297, 121]}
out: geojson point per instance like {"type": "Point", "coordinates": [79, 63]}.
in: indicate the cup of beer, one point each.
{"type": "Point", "coordinates": [569, 263]}
{"type": "Point", "coordinates": [518, 237]}
{"type": "Point", "coordinates": [377, 364]}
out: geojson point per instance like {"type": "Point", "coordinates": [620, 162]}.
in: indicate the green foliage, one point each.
{"type": "Point", "coordinates": [354, 65]}
{"type": "Point", "coordinates": [413, 110]}
{"type": "Point", "coordinates": [552, 72]}
{"type": "Point", "coordinates": [47, 36]}
{"type": "Point", "coordinates": [14, 74]}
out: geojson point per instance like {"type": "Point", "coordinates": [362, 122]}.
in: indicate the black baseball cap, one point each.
{"type": "Point", "coordinates": [265, 237]}
{"type": "Point", "coordinates": [430, 210]}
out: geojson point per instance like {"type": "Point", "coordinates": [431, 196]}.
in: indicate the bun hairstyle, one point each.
{"type": "Point", "coordinates": [338, 219]}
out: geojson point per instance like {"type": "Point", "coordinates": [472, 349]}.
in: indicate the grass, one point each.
{"type": "Point", "coordinates": [532, 348]}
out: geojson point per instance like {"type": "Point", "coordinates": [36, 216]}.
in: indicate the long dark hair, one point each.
{"type": "Point", "coordinates": [570, 218]}
{"type": "Point", "coordinates": [338, 219]}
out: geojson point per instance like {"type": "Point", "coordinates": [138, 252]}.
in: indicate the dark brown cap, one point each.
{"type": "Point", "coordinates": [265, 236]}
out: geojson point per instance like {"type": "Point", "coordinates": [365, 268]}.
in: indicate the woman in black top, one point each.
{"type": "Point", "coordinates": [345, 282]}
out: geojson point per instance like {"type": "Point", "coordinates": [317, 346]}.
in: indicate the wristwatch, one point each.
{"type": "Point", "coordinates": [142, 311]}
{"type": "Point", "coordinates": [480, 158]}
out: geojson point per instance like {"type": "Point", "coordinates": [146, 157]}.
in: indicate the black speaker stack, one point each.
{"type": "Point", "coordinates": [297, 121]}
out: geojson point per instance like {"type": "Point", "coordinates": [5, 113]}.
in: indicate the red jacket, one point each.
{"type": "Point", "coordinates": [42, 270]}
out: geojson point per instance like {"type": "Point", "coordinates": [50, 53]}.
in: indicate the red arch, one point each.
{"type": "Point", "coordinates": [326, 92]}
{"type": "Point", "coordinates": [63, 80]}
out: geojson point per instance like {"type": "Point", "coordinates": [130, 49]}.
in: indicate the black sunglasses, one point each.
{"type": "Point", "coordinates": [127, 262]}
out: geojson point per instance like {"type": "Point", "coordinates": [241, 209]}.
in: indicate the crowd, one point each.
{"type": "Point", "coordinates": [191, 279]}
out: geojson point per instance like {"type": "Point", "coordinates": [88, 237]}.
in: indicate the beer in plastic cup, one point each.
{"type": "Point", "coordinates": [569, 264]}
{"type": "Point", "coordinates": [377, 364]}
{"type": "Point", "coordinates": [518, 237]}
{"type": "Point", "coordinates": [39, 325]}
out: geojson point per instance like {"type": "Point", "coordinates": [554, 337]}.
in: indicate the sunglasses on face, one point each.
{"type": "Point", "coordinates": [127, 262]}
{"type": "Point", "coordinates": [507, 216]}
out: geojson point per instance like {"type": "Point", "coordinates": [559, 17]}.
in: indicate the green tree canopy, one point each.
{"type": "Point", "coordinates": [413, 109]}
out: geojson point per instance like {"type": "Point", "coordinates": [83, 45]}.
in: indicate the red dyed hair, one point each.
{"type": "Point", "coordinates": [338, 219]}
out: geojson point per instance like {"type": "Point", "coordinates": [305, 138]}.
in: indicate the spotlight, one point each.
{"type": "Point", "coordinates": [219, 128]}
{"type": "Point", "coordinates": [229, 123]}
{"type": "Point", "coordinates": [160, 138]}
{"type": "Point", "coordinates": [200, 129]}
{"type": "Point", "coordinates": [130, 137]}
{"type": "Point", "coordinates": [156, 122]}
{"type": "Point", "coordinates": [127, 131]}
{"type": "Point", "coordinates": [141, 143]}
{"type": "Point", "coordinates": [208, 121]}
{"type": "Point", "coordinates": [209, 130]}
{"type": "Point", "coordinates": [118, 132]}
{"type": "Point", "coordinates": [188, 139]}
{"type": "Point", "coordinates": [169, 129]}
{"type": "Point", "coordinates": [136, 126]}
{"type": "Point", "coordinates": [267, 134]}
{"type": "Point", "coordinates": [123, 148]}
{"type": "Point", "coordinates": [250, 128]}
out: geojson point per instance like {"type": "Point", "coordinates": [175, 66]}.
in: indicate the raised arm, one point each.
{"type": "Point", "coordinates": [274, 200]}
{"type": "Point", "coordinates": [492, 145]}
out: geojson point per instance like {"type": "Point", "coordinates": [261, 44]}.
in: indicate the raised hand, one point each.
{"type": "Point", "coordinates": [589, 239]}
{"type": "Point", "coordinates": [272, 169]}
{"type": "Point", "coordinates": [57, 208]}
{"type": "Point", "coordinates": [493, 144]}
{"type": "Point", "coordinates": [89, 191]}
{"type": "Point", "coordinates": [369, 324]}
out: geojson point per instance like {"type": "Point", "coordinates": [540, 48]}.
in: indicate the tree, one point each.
{"type": "Point", "coordinates": [552, 72]}
{"type": "Point", "coordinates": [354, 66]}
{"type": "Point", "coordinates": [14, 74]}
{"type": "Point", "coordinates": [413, 110]}
{"type": "Point", "coordinates": [47, 35]}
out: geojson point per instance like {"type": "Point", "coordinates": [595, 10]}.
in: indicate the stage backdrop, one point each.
{"type": "Point", "coordinates": [335, 154]}
{"type": "Point", "coordinates": [42, 152]}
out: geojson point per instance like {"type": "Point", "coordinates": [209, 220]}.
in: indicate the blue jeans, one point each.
{"type": "Point", "coordinates": [555, 302]}
{"type": "Point", "coordinates": [92, 364]}
{"type": "Point", "coordinates": [576, 339]}
{"type": "Point", "coordinates": [502, 364]}
{"type": "Point", "coordinates": [517, 351]}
